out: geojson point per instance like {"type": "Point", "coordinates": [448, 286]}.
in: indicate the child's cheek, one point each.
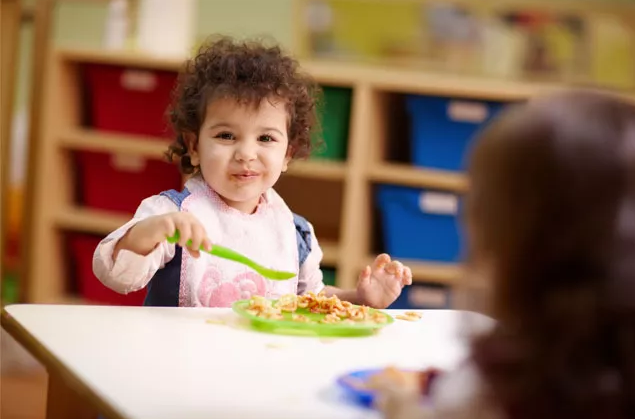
{"type": "Point", "coordinates": [217, 157]}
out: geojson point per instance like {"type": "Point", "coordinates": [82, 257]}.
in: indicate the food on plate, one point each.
{"type": "Point", "coordinates": [300, 318]}
{"type": "Point", "coordinates": [410, 316]}
{"type": "Point", "coordinates": [262, 307]}
{"type": "Point", "coordinates": [330, 318]}
{"type": "Point", "coordinates": [335, 310]}
{"type": "Point", "coordinates": [288, 302]}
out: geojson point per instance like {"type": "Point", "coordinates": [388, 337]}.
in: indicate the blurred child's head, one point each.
{"type": "Point", "coordinates": [551, 217]}
{"type": "Point", "coordinates": [241, 112]}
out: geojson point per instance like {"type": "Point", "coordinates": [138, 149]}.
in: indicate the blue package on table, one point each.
{"type": "Point", "coordinates": [419, 224]}
{"type": "Point", "coordinates": [354, 384]}
{"type": "Point", "coordinates": [442, 128]}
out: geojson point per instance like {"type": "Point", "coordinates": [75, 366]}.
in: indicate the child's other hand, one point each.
{"type": "Point", "coordinates": [380, 284]}
{"type": "Point", "coordinates": [147, 234]}
{"type": "Point", "coordinates": [394, 403]}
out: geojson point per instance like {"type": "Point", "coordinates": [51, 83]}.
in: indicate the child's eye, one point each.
{"type": "Point", "coordinates": [225, 136]}
{"type": "Point", "coordinates": [266, 138]}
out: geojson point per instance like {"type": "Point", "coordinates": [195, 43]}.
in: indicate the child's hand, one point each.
{"type": "Point", "coordinates": [381, 284]}
{"type": "Point", "coordinates": [147, 234]}
{"type": "Point", "coordinates": [395, 403]}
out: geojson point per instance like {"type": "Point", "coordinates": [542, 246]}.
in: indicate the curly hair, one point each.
{"type": "Point", "coordinates": [248, 72]}
{"type": "Point", "coordinates": [551, 208]}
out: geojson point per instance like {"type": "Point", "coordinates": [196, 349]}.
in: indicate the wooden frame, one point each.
{"type": "Point", "coordinates": [372, 87]}
{"type": "Point", "coordinates": [41, 15]}
{"type": "Point", "coordinates": [10, 13]}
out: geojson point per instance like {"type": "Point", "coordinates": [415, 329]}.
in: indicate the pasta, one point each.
{"type": "Point", "coordinates": [261, 307]}
{"type": "Point", "coordinates": [335, 311]}
{"type": "Point", "coordinates": [410, 316]}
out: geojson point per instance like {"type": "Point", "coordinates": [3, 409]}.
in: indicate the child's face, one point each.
{"type": "Point", "coordinates": [242, 150]}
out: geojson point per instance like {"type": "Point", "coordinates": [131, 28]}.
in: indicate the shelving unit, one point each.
{"type": "Point", "coordinates": [53, 209]}
{"type": "Point", "coordinates": [425, 40]}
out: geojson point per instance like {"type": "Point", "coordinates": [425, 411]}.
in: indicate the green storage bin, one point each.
{"type": "Point", "coordinates": [328, 276]}
{"type": "Point", "coordinates": [335, 116]}
{"type": "Point", "coordinates": [10, 291]}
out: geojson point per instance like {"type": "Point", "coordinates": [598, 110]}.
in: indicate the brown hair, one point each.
{"type": "Point", "coordinates": [249, 72]}
{"type": "Point", "coordinates": [551, 211]}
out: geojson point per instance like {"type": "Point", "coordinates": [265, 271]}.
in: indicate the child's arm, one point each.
{"type": "Point", "coordinates": [123, 270]}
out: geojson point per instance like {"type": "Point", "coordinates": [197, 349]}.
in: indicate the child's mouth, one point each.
{"type": "Point", "coordinates": [245, 176]}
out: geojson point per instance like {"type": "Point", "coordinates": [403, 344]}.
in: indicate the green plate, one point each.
{"type": "Point", "coordinates": [291, 327]}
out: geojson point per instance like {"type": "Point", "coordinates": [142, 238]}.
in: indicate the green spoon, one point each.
{"type": "Point", "coordinates": [225, 253]}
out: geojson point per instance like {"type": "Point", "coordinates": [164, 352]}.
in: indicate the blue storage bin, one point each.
{"type": "Point", "coordinates": [441, 129]}
{"type": "Point", "coordinates": [423, 296]}
{"type": "Point", "coordinates": [419, 224]}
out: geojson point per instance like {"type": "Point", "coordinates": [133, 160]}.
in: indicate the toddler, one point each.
{"type": "Point", "coordinates": [241, 112]}
{"type": "Point", "coordinates": [551, 217]}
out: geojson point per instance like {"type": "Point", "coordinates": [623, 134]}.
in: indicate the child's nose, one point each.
{"type": "Point", "coordinates": [246, 151]}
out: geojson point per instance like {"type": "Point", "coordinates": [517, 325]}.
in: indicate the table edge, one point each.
{"type": "Point", "coordinates": [52, 364]}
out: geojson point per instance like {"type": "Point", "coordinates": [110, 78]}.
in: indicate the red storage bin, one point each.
{"type": "Point", "coordinates": [82, 247]}
{"type": "Point", "coordinates": [120, 182]}
{"type": "Point", "coordinates": [129, 100]}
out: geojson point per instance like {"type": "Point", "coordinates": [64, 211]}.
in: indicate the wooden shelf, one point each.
{"type": "Point", "coordinates": [446, 274]}
{"type": "Point", "coordinates": [71, 299]}
{"type": "Point", "coordinates": [318, 169]}
{"type": "Point", "coordinates": [382, 77]}
{"type": "Point", "coordinates": [119, 58]}
{"type": "Point", "coordinates": [431, 272]}
{"type": "Point", "coordinates": [401, 174]}
{"type": "Point", "coordinates": [90, 220]}
{"type": "Point", "coordinates": [91, 140]}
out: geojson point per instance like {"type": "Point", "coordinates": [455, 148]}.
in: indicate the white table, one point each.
{"type": "Point", "coordinates": [167, 363]}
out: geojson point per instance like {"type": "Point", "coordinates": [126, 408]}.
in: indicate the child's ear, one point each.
{"type": "Point", "coordinates": [287, 160]}
{"type": "Point", "coordinates": [285, 165]}
{"type": "Point", "coordinates": [191, 142]}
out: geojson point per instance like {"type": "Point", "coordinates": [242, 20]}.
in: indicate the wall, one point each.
{"type": "Point", "coordinates": [82, 24]}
